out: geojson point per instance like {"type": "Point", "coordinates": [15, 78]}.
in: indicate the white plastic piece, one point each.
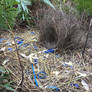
{"type": "Point", "coordinates": [85, 85]}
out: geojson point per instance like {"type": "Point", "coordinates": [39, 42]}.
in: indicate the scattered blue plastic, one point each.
{"type": "Point", "coordinates": [35, 61]}
{"type": "Point", "coordinates": [34, 76]}
{"type": "Point", "coordinates": [2, 39]}
{"type": "Point", "coordinates": [71, 67]}
{"type": "Point", "coordinates": [75, 85]}
{"type": "Point", "coordinates": [49, 51]}
{"type": "Point", "coordinates": [42, 75]}
{"type": "Point", "coordinates": [65, 65]}
{"type": "Point", "coordinates": [26, 44]}
{"type": "Point", "coordinates": [20, 42]}
{"type": "Point", "coordinates": [18, 38]}
{"type": "Point", "coordinates": [32, 33]}
{"type": "Point", "coordinates": [54, 87]}
{"type": "Point", "coordinates": [35, 47]}
{"type": "Point", "coordinates": [10, 49]}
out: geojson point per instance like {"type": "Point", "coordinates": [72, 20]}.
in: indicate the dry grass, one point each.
{"type": "Point", "coordinates": [61, 30]}
{"type": "Point", "coordinates": [62, 69]}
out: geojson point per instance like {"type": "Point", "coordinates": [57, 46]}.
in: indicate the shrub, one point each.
{"type": "Point", "coordinates": [8, 13]}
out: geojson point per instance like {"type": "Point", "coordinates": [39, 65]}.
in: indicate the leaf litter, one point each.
{"type": "Point", "coordinates": [45, 70]}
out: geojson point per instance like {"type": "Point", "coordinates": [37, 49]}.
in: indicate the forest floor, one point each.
{"type": "Point", "coordinates": [45, 71]}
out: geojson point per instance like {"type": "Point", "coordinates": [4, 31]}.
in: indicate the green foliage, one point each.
{"type": "Point", "coordinates": [22, 6]}
{"type": "Point", "coordinates": [10, 9]}
{"type": "Point", "coordinates": [48, 3]}
{"type": "Point", "coordinates": [8, 13]}
{"type": "Point", "coordinates": [24, 11]}
{"type": "Point", "coordinates": [84, 5]}
{"type": "Point", "coordinates": [4, 79]}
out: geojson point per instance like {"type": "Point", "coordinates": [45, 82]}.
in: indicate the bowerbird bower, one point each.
{"type": "Point", "coordinates": [61, 30]}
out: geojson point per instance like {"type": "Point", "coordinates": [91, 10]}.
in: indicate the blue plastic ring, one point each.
{"type": "Point", "coordinates": [43, 76]}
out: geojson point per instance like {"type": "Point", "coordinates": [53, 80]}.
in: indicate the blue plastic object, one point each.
{"type": "Point", "coordinates": [35, 47]}
{"type": "Point", "coordinates": [34, 76]}
{"type": "Point", "coordinates": [42, 75]}
{"type": "Point", "coordinates": [10, 49]}
{"type": "Point", "coordinates": [76, 85]}
{"type": "Point", "coordinates": [32, 33]}
{"type": "Point", "coordinates": [18, 38]}
{"type": "Point", "coordinates": [20, 42]}
{"type": "Point", "coordinates": [54, 87]}
{"type": "Point", "coordinates": [26, 44]}
{"type": "Point", "coordinates": [49, 51]}
{"type": "Point", "coordinates": [35, 61]}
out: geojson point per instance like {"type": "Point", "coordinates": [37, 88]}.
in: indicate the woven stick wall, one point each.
{"type": "Point", "coordinates": [61, 30]}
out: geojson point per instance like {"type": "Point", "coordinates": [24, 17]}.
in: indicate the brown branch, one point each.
{"type": "Point", "coordinates": [87, 38]}
{"type": "Point", "coordinates": [22, 79]}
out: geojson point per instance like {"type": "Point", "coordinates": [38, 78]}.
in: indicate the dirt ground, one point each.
{"type": "Point", "coordinates": [44, 70]}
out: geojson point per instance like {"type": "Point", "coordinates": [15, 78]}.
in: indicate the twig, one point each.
{"type": "Point", "coordinates": [22, 79]}
{"type": "Point", "coordinates": [87, 38]}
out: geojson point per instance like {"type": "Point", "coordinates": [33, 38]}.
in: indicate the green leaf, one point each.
{"type": "Point", "coordinates": [8, 12]}
{"type": "Point", "coordinates": [49, 3]}
{"type": "Point", "coordinates": [84, 5]}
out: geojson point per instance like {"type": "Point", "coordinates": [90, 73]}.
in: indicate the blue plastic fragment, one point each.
{"type": "Point", "coordinates": [26, 44]}
{"type": "Point", "coordinates": [32, 33]}
{"type": "Point", "coordinates": [18, 38]}
{"type": "Point", "coordinates": [71, 67]}
{"type": "Point", "coordinates": [49, 51]}
{"type": "Point", "coordinates": [54, 87]}
{"type": "Point", "coordinates": [10, 49]}
{"type": "Point", "coordinates": [34, 76]}
{"type": "Point", "coordinates": [42, 75]}
{"type": "Point", "coordinates": [35, 47]}
{"type": "Point", "coordinates": [76, 85]}
{"type": "Point", "coordinates": [35, 61]}
{"type": "Point", "coordinates": [71, 84]}
{"type": "Point", "coordinates": [20, 42]}
{"type": "Point", "coordinates": [65, 65]}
